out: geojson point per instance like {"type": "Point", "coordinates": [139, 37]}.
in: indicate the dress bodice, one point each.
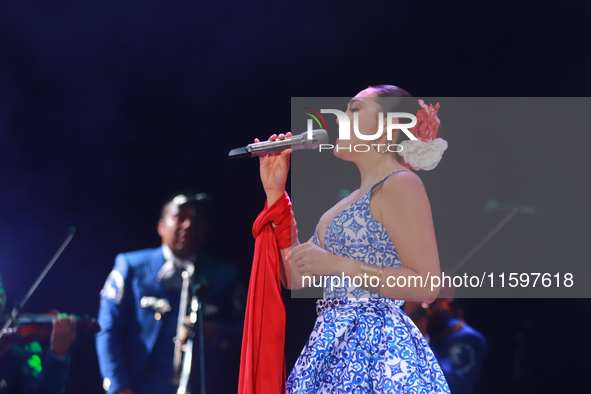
{"type": "Point", "coordinates": [354, 233]}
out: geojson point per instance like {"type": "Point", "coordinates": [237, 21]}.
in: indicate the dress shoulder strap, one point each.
{"type": "Point", "coordinates": [382, 181]}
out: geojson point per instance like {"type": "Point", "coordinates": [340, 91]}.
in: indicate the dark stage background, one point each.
{"type": "Point", "coordinates": [107, 108]}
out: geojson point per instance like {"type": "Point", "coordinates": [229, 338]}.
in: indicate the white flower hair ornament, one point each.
{"type": "Point", "coordinates": [426, 152]}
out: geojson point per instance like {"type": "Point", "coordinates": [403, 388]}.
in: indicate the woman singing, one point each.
{"type": "Point", "coordinates": [362, 341]}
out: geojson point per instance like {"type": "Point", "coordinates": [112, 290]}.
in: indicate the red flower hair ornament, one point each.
{"type": "Point", "coordinates": [426, 152]}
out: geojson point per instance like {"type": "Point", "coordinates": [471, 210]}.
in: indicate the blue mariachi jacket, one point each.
{"type": "Point", "coordinates": [128, 330]}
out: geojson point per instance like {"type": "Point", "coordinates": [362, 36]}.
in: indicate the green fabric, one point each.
{"type": "Point", "coordinates": [35, 365]}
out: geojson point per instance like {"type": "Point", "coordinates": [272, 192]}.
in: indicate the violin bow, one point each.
{"type": "Point", "coordinates": [16, 309]}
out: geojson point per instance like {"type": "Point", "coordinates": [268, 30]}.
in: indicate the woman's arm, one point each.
{"type": "Point", "coordinates": [273, 169]}
{"type": "Point", "coordinates": [402, 206]}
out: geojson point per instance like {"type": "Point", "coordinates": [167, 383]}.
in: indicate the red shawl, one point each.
{"type": "Point", "coordinates": [262, 362]}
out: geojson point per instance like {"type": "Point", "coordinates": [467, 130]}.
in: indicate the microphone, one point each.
{"type": "Point", "coordinates": [492, 206]}
{"type": "Point", "coordinates": [295, 142]}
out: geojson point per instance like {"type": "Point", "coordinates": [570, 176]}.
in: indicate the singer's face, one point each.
{"type": "Point", "coordinates": [177, 229]}
{"type": "Point", "coordinates": [367, 110]}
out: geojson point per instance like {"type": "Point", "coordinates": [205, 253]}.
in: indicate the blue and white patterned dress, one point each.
{"type": "Point", "coordinates": [366, 345]}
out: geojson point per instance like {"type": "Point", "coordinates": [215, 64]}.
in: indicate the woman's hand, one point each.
{"type": "Point", "coordinates": [274, 169]}
{"type": "Point", "coordinates": [310, 259]}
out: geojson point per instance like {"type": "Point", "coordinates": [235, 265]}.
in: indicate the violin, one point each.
{"type": "Point", "coordinates": [31, 327]}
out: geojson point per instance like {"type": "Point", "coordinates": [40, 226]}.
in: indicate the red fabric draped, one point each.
{"type": "Point", "coordinates": [262, 362]}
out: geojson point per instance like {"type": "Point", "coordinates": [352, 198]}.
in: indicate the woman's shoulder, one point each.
{"type": "Point", "coordinates": [403, 182]}
{"type": "Point", "coordinates": [401, 195]}
{"type": "Point", "coordinates": [403, 188]}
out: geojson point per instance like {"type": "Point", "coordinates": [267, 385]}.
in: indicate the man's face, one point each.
{"type": "Point", "coordinates": [177, 229]}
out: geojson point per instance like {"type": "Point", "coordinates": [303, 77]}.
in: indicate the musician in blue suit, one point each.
{"type": "Point", "coordinates": [140, 305]}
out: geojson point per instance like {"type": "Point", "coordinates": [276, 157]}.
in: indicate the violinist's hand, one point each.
{"type": "Point", "coordinates": [274, 169]}
{"type": "Point", "coordinates": [63, 333]}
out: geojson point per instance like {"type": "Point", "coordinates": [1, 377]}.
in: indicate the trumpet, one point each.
{"type": "Point", "coordinates": [183, 350]}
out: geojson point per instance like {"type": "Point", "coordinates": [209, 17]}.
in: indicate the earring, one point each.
{"type": "Point", "coordinates": [375, 146]}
